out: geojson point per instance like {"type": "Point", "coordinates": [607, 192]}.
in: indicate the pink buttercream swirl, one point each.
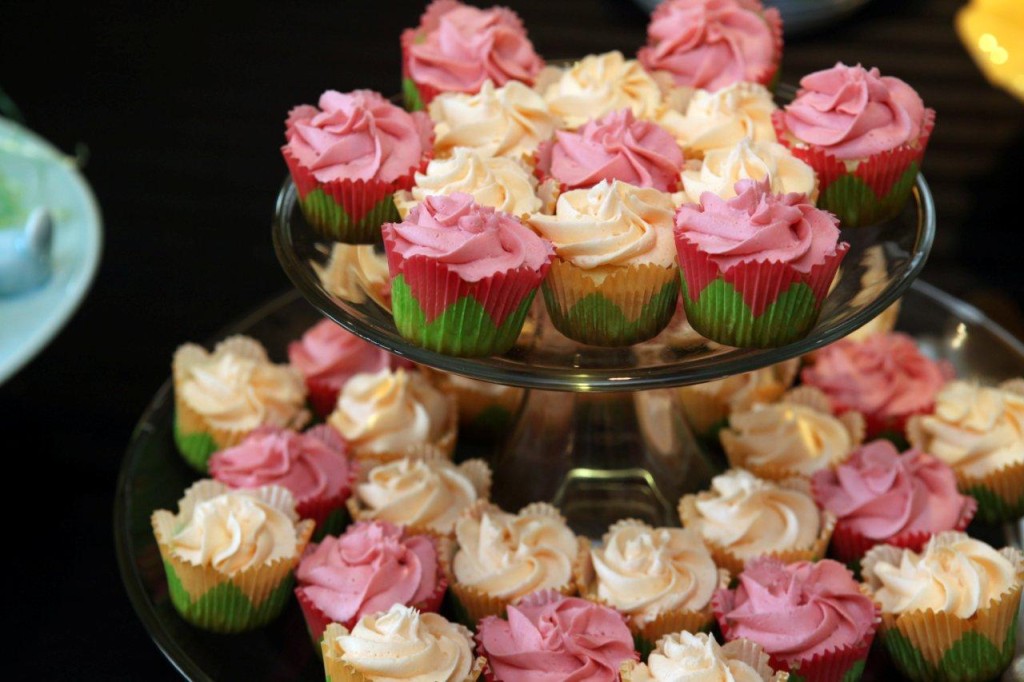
{"type": "Point", "coordinates": [853, 112]}
{"type": "Point", "coordinates": [330, 355]}
{"type": "Point", "coordinates": [549, 637]}
{"type": "Point", "coordinates": [473, 241]}
{"type": "Point", "coordinates": [885, 377]}
{"type": "Point", "coordinates": [457, 47]}
{"type": "Point", "coordinates": [616, 146]}
{"type": "Point", "coordinates": [757, 225]}
{"type": "Point", "coordinates": [373, 566]}
{"type": "Point", "coordinates": [312, 465]}
{"type": "Point", "coordinates": [796, 611]}
{"type": "Point", "coordinates": [880, 493]}
{"type": "Point", "coordinates": [357, 136]}
{"type": "Point", "coordinates": [711, 44]}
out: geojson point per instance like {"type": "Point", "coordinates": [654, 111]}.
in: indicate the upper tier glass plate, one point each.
{"type": "Point", "coordinates": [882, 262]}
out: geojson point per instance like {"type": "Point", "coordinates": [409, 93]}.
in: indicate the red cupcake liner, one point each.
{"type": "Point", "coordinates": [322, 396]}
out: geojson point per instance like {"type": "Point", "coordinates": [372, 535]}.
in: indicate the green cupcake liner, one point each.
{"type": "Point", "coordinates": [856, 205]}
{"type": "Point", "coordinates": [337, 521]}
{"type": "Point", "coordinates": [972, 658]}
{"type": "Point", "coordinates": [411, 96]}
{"type": "Point", "coordinates": [992, 508]}
{"type": "Point", "coordinates": [598, 321]}
{"type": "Point", "coordinates": [196, 448]}
{"type": "Point", "coordinates": [331, 221]}
{"type": "Point", "coordinates": [490, 424]}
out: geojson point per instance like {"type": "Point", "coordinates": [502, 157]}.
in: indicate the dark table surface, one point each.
{"type": "Point", "coordinates": [181, 107]}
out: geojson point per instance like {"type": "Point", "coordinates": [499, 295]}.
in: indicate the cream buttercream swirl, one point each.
{"type": "Point", "coordinates": [793, 438]}
{"type": "Point", "coordinates": [510, 555]}
{"type": "Point", "coordinates": [353, 272]}
{"type": "Point", "coordinates": [507, 121]}
{"type": "Point", "coordinates": [598, 84]}
{"type": "Point", "coordinates": [722, 168]}
{"type": "Point", "coordinates": [750, 516]}
{"type": "Point", "coordinates": [644, 571]}
{"type": "Point", "coordinates": [689, 657]}
{"type": "Point", "coordinates": [611, 224]}
{"type": "Point", "coordinates": [404, 644]}
{"type": "Point", "coordinates": [975, 429]}
{"type": "Point", "coordinates": [717, 120]}
{"type": "Point", "coordinates": [388, 411]}
{"type": "Point", "coordinates": [955, 574]}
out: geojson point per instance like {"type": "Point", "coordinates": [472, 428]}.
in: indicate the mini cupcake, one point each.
{"type": "Point", "coordinates": [458, 47]}
{"type": "Point", "coordinates": [797, 436]}
{"type": "Point", "coordinates": [366, 570]}
{"type": "Point", "coordinates": [719, 120]}
{"type": "Point", "coordinates": [684, 656]}
{"type": "Point", "coordinates": [756, 268]}
{"type": "Point", "coordinates": [660, 579]}
{"type": "Point", "coordinates": [811, 618]}
{"type": "Point", "coordinates": [979, 432]}
{"type": "Point", "coordinates": [497, 557]}
{"type": "Point", "coordinates": [712, 44]}
{"type": "Point", "coordinates": [616, 146]}
{"type": "Point", "coordinates": [950, 613]}
{"type": "Point", "coordinates": [864, 134]}
{"type": "Point", "coordinates": [885, 377]}
{"type": "Point", "coordinates": [880, 496]}
{"type": "Point", "coordinates": [348, 156]}
{"type": "Point", "coordinates": [425, 494]}
{"type": "Point", "coordinates": [327, 356]}
{"type": "Point", "coordinates": [401, 643]}
{"type": "Point", "coordinates": [744, 517]}
{"type": "Point", "coordinates": [549, 637]}
{"type": "Point", "coordinates": [221, 397]}
{"type": "Point", "coordinates": [463, 275]}
{"type": "Point", "coordinates": [229, 554]}
{"type": "Point", "coordinates": [313, 466]}
{"type": "Point", "coordinates": [487, 411]}
{"type": "Point", "coordinates": [394, 413]}
{"type": "Point", "coordinates": [355, 273]}
{"type": "Point", "coordinates": [720, 170]}
{"type": "Point", "coordinates": [615, 281]}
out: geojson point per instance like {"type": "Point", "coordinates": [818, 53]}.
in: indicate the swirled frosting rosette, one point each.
{"type": "Point", "coordinates": [463, 275]}
{"type": "Point", "coordinates": [229, 554]}
{"type": "Point", "coordinates": [756, 268]}
{"type": "Point", "coordinates": [697, 657]}
{"type": "Point", "coordinates": [978, 430]}
{"type": "Point", "coordinates": [615, 281]}
{"type": "Point", "coordinates": [880, 495]}
{"type": "Point", "coordinates": [864, 134]}
{"type": "Point", "coordinates": [660, 579]}
{"type": "Point", "coordinates": [348, 155]}
{"type": "Point", "coordinates": [719, 120]}
{"type": "Point", "coordinates": [220, 397]}
{"type": "Point", "coordinates": [743, 517]}
{"type": "Point", "coordinates": [400, 644]}
{"type": "Point", "coordinates": [949, 612]}
{"type": "Point", "coordinates": [458, 48]}
{"type": "Point", "coordinates": [355, 273]}
{"type": "Point", "coordinates": [720, 170]}
{"type": "Point", "coordinates": [712, 44]}
{"type": "Point", "coordinates": [811, 618]}
{"type": "Point", "coordinates": [551, 637]}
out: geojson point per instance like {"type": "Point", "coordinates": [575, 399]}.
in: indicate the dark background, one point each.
{"type": "Point", "coordinates": [181, 106]}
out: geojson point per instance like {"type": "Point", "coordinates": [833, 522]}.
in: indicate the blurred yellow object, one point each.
{"type": "Point", "coordinates": [993, 33]}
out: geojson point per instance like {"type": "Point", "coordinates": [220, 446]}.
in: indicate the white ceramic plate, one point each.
{"type": "Point", "coordinates": [44, 177]}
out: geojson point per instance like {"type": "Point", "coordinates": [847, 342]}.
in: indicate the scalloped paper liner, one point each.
{"type": "Point", "coordinates": [742, 650]}
{"type": "Point", "coordinates": [632, 304]}
{"type": "Point", "coordinates": [322, 396]}
{"type": "Point", "coordinates": [445, 443]}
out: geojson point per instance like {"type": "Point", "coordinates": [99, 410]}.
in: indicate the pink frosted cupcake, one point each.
{"type": "Point", "coordinates": [864, 134]}
{"type": "Point", "coordinates": [885, 377]}
{"type": "Point", "coordinates": [348, 156]}
{"type": "Point", "coordinates": [811, 618]}
{"type": "Point", "coordinates": [882, 496]}
{"type": "Point", "coordinates": [327, 356]}
{"type": "Point", "coordinates": [368, 569]}
{"type": "Point", "coordinates": [711, 44]}
{"type": "Point", "coordinates": [313, 465]}
{"type": "Point", "coordinates": [463, 275]}
{"type": "Point", "coordinates": [616, 146]}
{"type": "Point", "coordinates": [756, 268]}
{"type": "Point", "coordinates": [549, 637]}
{"type": "Point", "coordinates": [457, 47]}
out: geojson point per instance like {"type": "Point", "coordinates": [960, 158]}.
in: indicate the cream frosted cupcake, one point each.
{"type": "Point", "coordinates": [486, 410]}
{"type": "Point", "coordinates": [614, 280]}
{"type": "Point", "coordinates": [220, 397]}
{"type": "Point", "coordinates": [661, 579]}
{"type": "Point", "coordinates": [979, 432]}
{"type": "Point", "coordinates": [744, 517]}
{"type": "Point", "coordinates": [355, 273]}
{"type": "Point", "coordinates": [394, 413]}
{"type": "Point", "coordinates": [720, 170]}
{"type": "Point", "coordinates": [685, 656]}
{"type": "Point", "coordinates": [719, 120]}
{"type": "Point", "coordinates": [229, 554]}
{"type": "Point", "coordinates": [400, 644]}
{"type": "Point", "coordinates": [949, 613]}
{"type": "Point", "coordinates": [497, 557]}
{"type": "Point", "coordinates": [425, 494]}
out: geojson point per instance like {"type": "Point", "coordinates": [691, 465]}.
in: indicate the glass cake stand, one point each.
{"type": "Point", "coordinates": [599, 433]}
